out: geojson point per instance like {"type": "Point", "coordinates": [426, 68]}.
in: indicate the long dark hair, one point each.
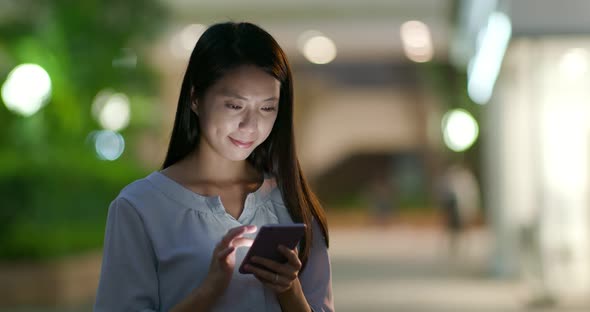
{"type": "Point", "coordinates": [221, 48]}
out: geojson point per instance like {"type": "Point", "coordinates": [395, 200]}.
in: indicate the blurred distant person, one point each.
{"type": "Point", "coordinates": [459, 200]}
{"type": "Point", "coordinates": [533, 263]}
{"type": "Point", "coordinates": [171, 238]}
{"type": "Point", "coordinates": [381, 198]}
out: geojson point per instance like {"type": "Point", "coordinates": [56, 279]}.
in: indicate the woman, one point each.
{"type": "Point", "coordinates": [172, 239]}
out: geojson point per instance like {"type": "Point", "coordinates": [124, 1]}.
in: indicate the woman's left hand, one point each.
{"type": "Point", "coordinates": [277, 276]}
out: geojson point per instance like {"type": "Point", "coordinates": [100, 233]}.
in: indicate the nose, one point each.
{"type": "Point", "coordinates": [249, 122]}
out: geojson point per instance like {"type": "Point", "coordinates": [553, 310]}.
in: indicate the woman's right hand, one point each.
{"type": "Point", "coordinates": [221, 269]}
{"type": "Point", "coordinates": [223, 260]}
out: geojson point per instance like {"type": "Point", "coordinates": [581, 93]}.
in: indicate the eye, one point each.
{"type": "Point", "coordinates": [269, 108]}
{"type": "Point", "coordinates": [232, 106]}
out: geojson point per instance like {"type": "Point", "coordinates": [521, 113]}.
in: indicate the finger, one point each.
{"type": "Point", "coordinates": [250, 228]}
{"type": "Point", "coordinates": [278, 284]}
{"type": "Point", "coordinates": [237, 231]}
{"type": "Point", "coordinates": [267, 276]}
{"type": "Point", "coordinates": [241, 242]}
{"type": "Point", "coordinates": [233, 233]}
{"type": "Point", "coordinates": [225, 252]}
{"type": "Point", "coordinates": [292, 256]}
{"type": "Point", "coordinates": [275, 266]}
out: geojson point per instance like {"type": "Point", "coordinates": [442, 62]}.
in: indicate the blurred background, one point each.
{"type": "Point", "coordinates": [447, 139]}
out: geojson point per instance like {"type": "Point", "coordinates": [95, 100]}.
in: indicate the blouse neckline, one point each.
{"type": "Point", "coordinates": [193, 200]}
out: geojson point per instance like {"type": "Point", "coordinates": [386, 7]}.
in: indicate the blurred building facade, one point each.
{"type": "Point", "coordinates": [536, 138]}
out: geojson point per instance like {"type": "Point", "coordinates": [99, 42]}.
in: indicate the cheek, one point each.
{"type": "Point", "coordinates": [266, 126]}
{"type": "Point", "coordinates": [221, 123]}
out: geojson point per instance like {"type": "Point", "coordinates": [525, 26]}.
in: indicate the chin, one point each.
{"type": "Point", "coordinates": [237, 156]}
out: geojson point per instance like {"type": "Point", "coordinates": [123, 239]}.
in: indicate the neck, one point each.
{"type": "Point", "coordinates": [208, 166]}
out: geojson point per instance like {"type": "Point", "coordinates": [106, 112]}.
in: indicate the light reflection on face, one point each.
{"type": "Point", "coordinates": [238, 112]}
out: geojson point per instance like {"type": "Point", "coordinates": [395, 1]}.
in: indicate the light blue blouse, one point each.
{"type": "Point", "coordinates": [159, 241]}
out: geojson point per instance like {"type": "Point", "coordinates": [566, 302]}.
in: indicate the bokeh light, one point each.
{"type": "Point", "coordinates": [460, 130]}
{"type": "Point", "coordinates": [108, 145]}
{"type": "Point", "coordinates": [304, 37]}
{"type": "Point", "coordinates": [485, 66]}
{"type": "Point", "coordinates": [417, 41]}
{"type": "Point", "coordinates": [101, 98]}
{"type": "Point", "coordinates": [27, 89]}
{"type": "Point", "coordinates": [574, 63]}
{"type": "Point", "coordinates": [111, 110]}
{"type": "Point", "coordinates": [317, 48]}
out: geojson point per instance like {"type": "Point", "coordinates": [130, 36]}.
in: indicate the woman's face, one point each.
{"type": "Point", "coordinates": [238, 112]}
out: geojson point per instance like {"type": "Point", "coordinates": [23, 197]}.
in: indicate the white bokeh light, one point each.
{"type": "Point", "coordinates": [317, 48]}
{"type": "Point", "coordinates": [417, 41]}
{"type": "Point", "coordinates": [304, 37]}
{"type": "Point", "coordinates": [108, 145]}
{"type": "Point", "coordinates": [111, 110]}
{"type": "Point", "coordinates": [101, 98]}
{"type": "Point", "coordinates": [485, 65]}
{"type": "Point", "coordinates": [27, 89]}
{"type": "Point", "coordinates": [460, 130]}
{"type": "Point", "coordinates": [574, 63]}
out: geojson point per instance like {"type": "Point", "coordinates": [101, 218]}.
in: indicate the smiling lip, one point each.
{"type": "Point", "coordinates": [241, 144]}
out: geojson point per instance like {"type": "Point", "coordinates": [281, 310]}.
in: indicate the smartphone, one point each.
{"type": "Point", "coordinates": [269, 238]}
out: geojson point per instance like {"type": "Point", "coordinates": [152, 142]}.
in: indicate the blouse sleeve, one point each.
{"type": "Point", "coordinates": [316, 277]}
{"type": "Point", "coordinates": [128, 278]}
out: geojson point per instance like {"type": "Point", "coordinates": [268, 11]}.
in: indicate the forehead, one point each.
{"type": "Point", "coordinates": [248, 81]}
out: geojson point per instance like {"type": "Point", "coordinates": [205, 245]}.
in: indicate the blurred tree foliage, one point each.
{"type": "Point", "coordinates": [450, 84]}
{"type": "Point", "coordinates": [54, 190]}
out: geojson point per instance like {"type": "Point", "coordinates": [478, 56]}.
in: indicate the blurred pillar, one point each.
{"type": "Point", "coordinates": [537, 134]}
{"type": "Point", "coordinates": [509, 159]}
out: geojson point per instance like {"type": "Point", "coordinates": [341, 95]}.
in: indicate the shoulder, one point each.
{"type": "Point", "coordinates": [273, 200]}
{"type": "Point", "coordinates": [137, 190]}
{"type": "Point", "coordinates": [129, 192]}
{"type": "Point", "coordinates": [141, 195]}
{"type": "Point", "coordinates": [276, 197]}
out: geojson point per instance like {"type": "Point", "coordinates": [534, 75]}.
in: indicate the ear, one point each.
{"type": "Point", "coordinates": [194, 102]}
{"type": "Point", "coordinates": [194, 107]}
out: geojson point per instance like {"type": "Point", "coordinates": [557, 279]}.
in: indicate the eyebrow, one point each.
{"type": "Point", "coordinates": [232, 94]}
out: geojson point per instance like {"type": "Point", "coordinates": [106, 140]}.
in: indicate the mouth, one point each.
{"type": "Point", "coordinates": [241, 144]}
